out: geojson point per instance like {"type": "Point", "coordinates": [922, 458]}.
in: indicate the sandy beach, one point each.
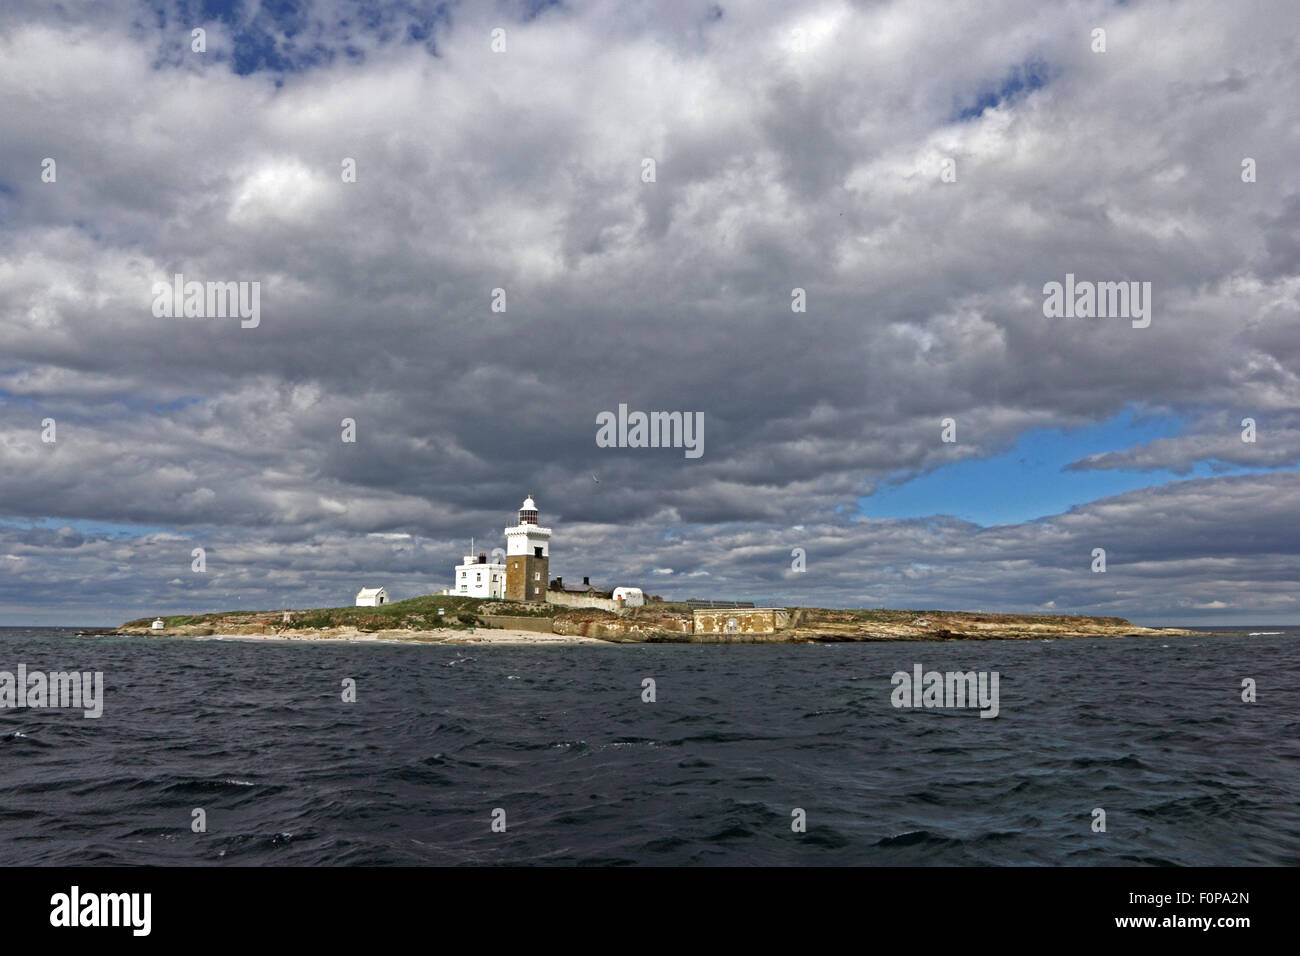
{"type": "Point", "coordinates": [480, 636]}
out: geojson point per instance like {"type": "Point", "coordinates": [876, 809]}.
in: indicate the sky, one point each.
{"type": "Point", "coordinates": [920, 170]}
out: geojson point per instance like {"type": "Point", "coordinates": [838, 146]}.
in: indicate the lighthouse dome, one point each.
{"type": "Point", "coordinates": [528, 511]}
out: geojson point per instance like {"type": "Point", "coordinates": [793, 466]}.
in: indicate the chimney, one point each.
{"type": "Point", "coordinates": [559, 584]}
{"type": "Point", "coordinates": [586, 581]}
{"type": "Point", "coordinates": [482, 557]}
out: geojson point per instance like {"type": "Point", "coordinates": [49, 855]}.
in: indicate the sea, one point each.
{"type": "Point", "coordinates": [222, 752]}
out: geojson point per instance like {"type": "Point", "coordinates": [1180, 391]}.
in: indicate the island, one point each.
{"type": "Point", "coordinates": [456, 619]}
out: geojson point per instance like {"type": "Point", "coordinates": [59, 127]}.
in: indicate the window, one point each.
{"type": "Point", "coordinates": [536, 591]}
{"type": "Point", "coordinates": [478, 577]}
{"type": "Point", "coordinates": [464, 574]}
{"type": "Point", "coordinates": [537, 552]}
{"type": "Point", "coordinates": [537, 576]}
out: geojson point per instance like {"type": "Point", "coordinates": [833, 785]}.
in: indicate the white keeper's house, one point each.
{"type": "Point", "coordinates": [480, 578]}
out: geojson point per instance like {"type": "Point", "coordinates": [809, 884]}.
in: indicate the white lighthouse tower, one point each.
{"type": "Point", "coordinates": [528, 552]}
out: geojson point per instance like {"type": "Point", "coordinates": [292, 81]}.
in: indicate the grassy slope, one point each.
{"type": "Point", "coordinates": [414, 614]}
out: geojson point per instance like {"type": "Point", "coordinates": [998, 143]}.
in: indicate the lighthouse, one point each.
{"type": "Point", "coordinates": [528, 552]}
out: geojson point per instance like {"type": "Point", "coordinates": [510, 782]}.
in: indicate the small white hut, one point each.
{"type": "Point", "coordinates": [157, 625]}
{"type": "Point", "coordinates": [629, 597]}
{"type": "Point", "coordinates": [371, 597]}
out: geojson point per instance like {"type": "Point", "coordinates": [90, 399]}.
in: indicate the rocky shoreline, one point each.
{"type": "Point", "coordinates": [601, 628]}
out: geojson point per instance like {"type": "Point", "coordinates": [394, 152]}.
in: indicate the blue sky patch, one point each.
{"type": "Point", "coordinates": [1029, 481]}
{"type": "Point", "coordinates": [91, 529]}
{"type": "Point", "coordinates": [283, 36]}
{"type": "Point", "coordinates": [1017, 84]}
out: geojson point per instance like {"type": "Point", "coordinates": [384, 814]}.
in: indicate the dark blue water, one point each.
{"type": "Point", "coordinates": [1152, 730]}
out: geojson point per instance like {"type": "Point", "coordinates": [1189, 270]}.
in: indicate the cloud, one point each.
{"type": "Point", "coordinates": [1270, 441]}
{"type": "Point", "coordinates": [778, 165]}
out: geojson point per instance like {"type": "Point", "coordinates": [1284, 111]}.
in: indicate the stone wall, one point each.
{"type": "Point", "coordinates": [540, 624]}
{"type": "Point", "coordinates": [740, 620]}
{"type": "Point", "coordinates": [581, 600]}
{"type": "Point", "coordinates": [623, 630]}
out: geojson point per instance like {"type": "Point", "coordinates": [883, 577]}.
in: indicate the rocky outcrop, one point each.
{"type": "Point", "coordinates": [807, 625]}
